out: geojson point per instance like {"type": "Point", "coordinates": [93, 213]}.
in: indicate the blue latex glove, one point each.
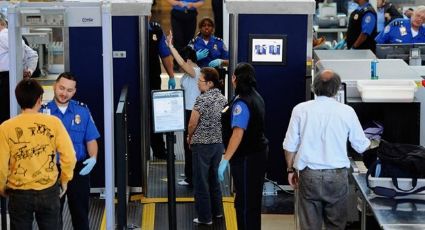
{"type": "Point", "coordinates": [222, 168]}
{"type": "Point", "coordinates": [171, 83]}
{"type": "Point", "coordinates": [201, 54]}
{"type": "Point", "coordinates": [215, 63]}
{"type": "Point", "coordinates": [89, 166]}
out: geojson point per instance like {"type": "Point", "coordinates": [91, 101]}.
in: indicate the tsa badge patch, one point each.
{"type": "Point", "coordinates": [154, 37]}
{"type": "Point", "coordinates": [215, 47]}
{"type": "Point", "coordinates": [367, 19]}
{"type": "Point", "coordinates": [77, 119]}
{"type": "Point", "coordinates": [237, 110]}
{"type": "Point", "coordinates": [387, 29]}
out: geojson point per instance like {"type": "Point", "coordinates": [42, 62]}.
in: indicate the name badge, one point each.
{"type": "Point", "coordinates": [403, 31]}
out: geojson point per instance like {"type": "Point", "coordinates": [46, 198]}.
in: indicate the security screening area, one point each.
{"type": "Point", "coordinates": [301, 135]}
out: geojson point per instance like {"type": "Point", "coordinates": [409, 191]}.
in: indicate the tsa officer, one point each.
{"type": "Point", "coordinates": [361, 30]}
{"type": "Point", "coordinates": [158, 50]}
{"type": "Point", "coordinates": [83, 132]}
{"type": "Point", "coordinates": [405, 30]}
{"type": "Point", "coordinates": [210, 50]}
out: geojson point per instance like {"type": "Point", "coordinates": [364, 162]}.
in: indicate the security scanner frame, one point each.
{"type": "Point", "coordinates": [91, 59]}
{"type": "Point", "coordinates": [274, 81]}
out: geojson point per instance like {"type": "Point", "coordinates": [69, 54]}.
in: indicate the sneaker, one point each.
{"type": "Point", "coordinates": [183, 182]}
{"type": "Point", "coordinates": [196, 221]}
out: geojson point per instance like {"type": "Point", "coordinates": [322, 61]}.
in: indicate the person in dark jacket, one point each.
{"type": "Point", "coordinates": [386, 13]}
{"type": "Point", "coordinates": [247, 147]}
{"type": "Point", "coordinates": [361, 30]}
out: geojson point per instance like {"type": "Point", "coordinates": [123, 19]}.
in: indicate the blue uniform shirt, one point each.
{"type": "Point", "coordinates": [368, 21]}
{"type": "Point", "coordinates": [163, 51]}
{"type": "Point", "coordinates": [240, 115]}
{"type": "Point", "coordinates": [186, 8]}
{"type": "Point", "coordinates": [215, 46]}
{"type": "Point", "coordinates": [78, 122]}
{"type": "Point", "coordinates": [400, 31]}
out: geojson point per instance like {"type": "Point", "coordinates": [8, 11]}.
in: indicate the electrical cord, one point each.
{"type": "Point", "coordinates": [276, 185]}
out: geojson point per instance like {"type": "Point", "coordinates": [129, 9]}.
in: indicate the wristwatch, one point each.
{"type": "Point", "coordinates": [290, 170]}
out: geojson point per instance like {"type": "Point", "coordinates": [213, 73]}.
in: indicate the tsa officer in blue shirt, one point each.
{"type": "Point", "coordinates": [361, 31]}
{"type": "Point", "coordinates": [210, 50]}
{"type": "Point", "coordinates": [83, 132]}
{"type": "Point", "coordinates": [246, 146]}
{"type": "Point", "coordinates": [405, 30]}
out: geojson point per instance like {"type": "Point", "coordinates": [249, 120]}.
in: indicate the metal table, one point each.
{"type": "Point", "coordinates": [406, 213]}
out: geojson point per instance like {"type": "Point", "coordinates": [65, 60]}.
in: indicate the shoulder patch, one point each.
{"type": "Point", "coordinates": [367, 19]}
{"type": "Point", "coordinates": [387, 29]}
{"type": "Point", "coordinates": [237, 110]}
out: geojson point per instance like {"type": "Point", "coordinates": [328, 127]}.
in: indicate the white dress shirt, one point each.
{"type": "Point", "coordinates": [29, 59]}
{"type": "Point", "coordinates": [318, 133]}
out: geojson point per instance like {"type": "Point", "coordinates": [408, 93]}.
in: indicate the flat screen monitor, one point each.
{"type": "Point", "coordinates": [393, 51]}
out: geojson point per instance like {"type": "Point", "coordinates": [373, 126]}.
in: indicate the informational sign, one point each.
{"type": "Point", "coordinates": [267, 49]}
{"type": "Point", "coordinates": [168, 110]}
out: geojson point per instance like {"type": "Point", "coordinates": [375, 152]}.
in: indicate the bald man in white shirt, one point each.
{"type": "Point", "coordinates": [316, 154]}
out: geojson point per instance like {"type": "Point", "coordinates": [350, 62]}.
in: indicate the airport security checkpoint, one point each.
{"type": "Point", "coordinates": [308, 114]}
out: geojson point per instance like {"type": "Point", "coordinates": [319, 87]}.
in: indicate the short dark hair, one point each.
{"type": "Point", "coordinates": [27, 92]}
{"type": "Point", "coordinates": [211, 74]}
{"type": "Point", "coordinates": [188, 53]}
{"type": "Point", "coordinates": [245, 79]}
{"type": "Point", "coordinates": [67, 75]}
{"type": "Point", "coordinates": [323, 86]}
{"type": "Point", "coordinates": [203, 20]}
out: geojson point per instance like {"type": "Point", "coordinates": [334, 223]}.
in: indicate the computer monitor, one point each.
{"type": "Point", "coordinates": [394, 51]}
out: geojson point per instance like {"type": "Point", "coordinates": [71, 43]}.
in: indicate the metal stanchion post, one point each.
{"type": "Point", "coordinates": [172, 224]}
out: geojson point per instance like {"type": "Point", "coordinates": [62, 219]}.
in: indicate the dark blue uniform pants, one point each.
{"type": "Point", "coordinates": [78, 198]}
{"type": "Point", "coordinates": [248, 178]}
{"type": "Point", "coordinates": [183, 24]}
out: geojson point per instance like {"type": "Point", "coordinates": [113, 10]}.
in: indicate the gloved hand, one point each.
{"type": "Point", "coordinates": [201, 54]}
{"type": "Point", "coordinates": [222, 168]}
{"type": "Point", "coordinates": [89, 166]}
{"type": "Point", "coordinates": [215, 63]}
{"type": "Point", "coordinates": [171, 83]}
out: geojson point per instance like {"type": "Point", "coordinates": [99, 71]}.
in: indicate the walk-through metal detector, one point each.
{"type": "Point", "coordinates": [275, 36]}
{"type": "Point", "coordinates": [102, 46]}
